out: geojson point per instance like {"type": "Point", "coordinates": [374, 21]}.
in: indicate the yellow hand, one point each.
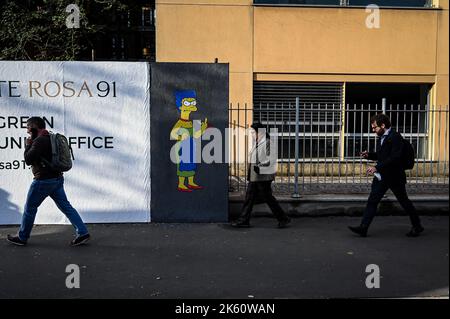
{"type": "Point", "coordinates": [183, 136]}
{"type": "Point", "coordinates": [205, 125]}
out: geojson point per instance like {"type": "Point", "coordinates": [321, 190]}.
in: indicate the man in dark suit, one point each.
{"type": "Point", "coordinates": [388, 174]}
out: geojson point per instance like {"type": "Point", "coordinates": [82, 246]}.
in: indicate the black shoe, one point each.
{"type": "Point", "coordinates": [16, 240]}
{"type": "Point", "coordinates": [415, 231]}
{"type": "Point", "coordinates": [80, 240]}
{"type": "Point", "coordinates": [284, 223]}
{"type": "Point", "coordinates": [240, 223]}
{"type": "Point", "coordinates": [360, 230]}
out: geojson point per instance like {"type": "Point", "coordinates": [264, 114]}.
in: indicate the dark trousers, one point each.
{"type": "Point", "coordinates": [379, 188]}
{"type": "Point", "coordinates": [258, 192]}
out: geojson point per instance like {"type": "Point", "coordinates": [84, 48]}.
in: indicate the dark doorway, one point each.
{"type": "Point", "coordinates": [394, 93]}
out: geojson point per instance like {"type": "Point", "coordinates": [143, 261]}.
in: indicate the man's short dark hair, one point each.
{"type": "Point", "coordinates": [260, 128]}
{"type": "Point", "coordinates": [35, 120]}
{"type": "Point", "coordinates": [257, 125]}
{"type": "Point", "coordinates": [380, 119]}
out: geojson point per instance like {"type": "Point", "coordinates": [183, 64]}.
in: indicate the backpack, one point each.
{"type": "Point", "coordinates": [408, 155]}
{"type": "Point", "coordinates": [62, 154]}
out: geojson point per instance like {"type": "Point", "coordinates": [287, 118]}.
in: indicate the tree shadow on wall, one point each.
{"type": "Point", "coordinates": [9, 212]}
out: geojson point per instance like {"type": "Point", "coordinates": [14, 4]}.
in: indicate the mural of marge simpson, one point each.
{"type": "Point", "coordinates": [185, 133]}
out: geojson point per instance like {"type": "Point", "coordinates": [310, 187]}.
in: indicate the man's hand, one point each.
{"type": "Point", "coordinates": [371, 170]}
{"type": "Point", "coordinates": [256, 169]}
{"type": "Point", "coordinates": [364, 154]}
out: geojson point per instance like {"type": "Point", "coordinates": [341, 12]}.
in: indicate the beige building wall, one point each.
{"type": "Point", "coordinates": [442, 52]}
{"type": "Point", "coordinates": [309, 44]}
{"type": "Point", "coordinates": [440, 92]}
{"type": "Point", "coordinates": [203, 30]}
{"type": "Point", "coordinates": [337, 41]}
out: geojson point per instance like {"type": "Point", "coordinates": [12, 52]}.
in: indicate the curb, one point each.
{"type": "Point", "coordinates": [344, 205]}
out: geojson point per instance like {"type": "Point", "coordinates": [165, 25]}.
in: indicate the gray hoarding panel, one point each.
{"type": "Point", "coordinates": [184, 95]}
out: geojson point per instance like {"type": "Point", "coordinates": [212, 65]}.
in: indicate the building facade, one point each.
{"type": "Point", "coordinates": [271, 42]}
{"type": "Point", "coordinates": [326, 52]}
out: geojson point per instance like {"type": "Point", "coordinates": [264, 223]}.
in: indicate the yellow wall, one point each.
{"type": "Point", "coordinates": [440, 92]}
{"type": "Point", "coordinates": [309, 44]}
{"type": "Point", "coordinates": [442, 65]}
{"type": "Point", "coordinates": [202, 30]}
{"type": "Point", "coordinates": [335, 40]}
{"type": "Point", "coordinates": [319, 44]}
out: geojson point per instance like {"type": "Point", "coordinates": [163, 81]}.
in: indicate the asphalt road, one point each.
{"type": "Point", "coordinates": [314, 258]}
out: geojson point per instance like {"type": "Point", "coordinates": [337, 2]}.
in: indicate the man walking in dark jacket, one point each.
{"type": "Point", "coordinates": [46, 183]}
{"type": "Point", "coordinates": [261, 173]}
{"type": "Point", "coordinates": [388, 174]}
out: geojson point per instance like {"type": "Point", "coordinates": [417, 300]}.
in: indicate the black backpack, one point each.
{"type": "Point", "coordinates": [408, 155]}
{"type": "Point", "coordinates": [62, 154]}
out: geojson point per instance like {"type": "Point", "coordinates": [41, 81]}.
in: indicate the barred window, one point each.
{"type": "Point", "coordinates": [330, 127]}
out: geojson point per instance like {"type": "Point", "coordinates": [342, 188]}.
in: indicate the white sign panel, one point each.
{"type": "Point", "coordinates": [103, 110]}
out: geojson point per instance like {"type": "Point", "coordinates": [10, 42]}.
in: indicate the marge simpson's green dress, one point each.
{"type": "Point", "coordinates": [186, 166]}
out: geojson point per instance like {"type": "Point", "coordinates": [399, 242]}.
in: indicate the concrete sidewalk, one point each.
{"type": "Point", "coordinates": [314, 258]}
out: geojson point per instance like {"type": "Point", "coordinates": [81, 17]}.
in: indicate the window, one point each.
{"type": "Point", "coordinates": [306, 2]}
{"type": "Point", "coordinates": [126, 35]}
{"type": "Point", "coordinates": [148, 16]}
{"type": "Point", "coordinates": [390, 3]}
{"type": "Point", "coordinates": [404, 103]}
{"type": "Point", "coordinates": [319, 118]}
{"type": "Point", "coordinates": [330, 128]}
{"type": "Point", "coordinates": [381, 3]}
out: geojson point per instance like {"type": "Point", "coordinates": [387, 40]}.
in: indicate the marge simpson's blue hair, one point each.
{"type": "Point", "coordinates": [185, 94]}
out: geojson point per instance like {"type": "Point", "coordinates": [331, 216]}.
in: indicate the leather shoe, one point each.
{"type": "Point", "coordinates": [240, 224]}
{"type": "Point", "coordinates": [415, 231]}
{"type": "Point", "coordinates": [360, 230]}
{"type": "Point", "coordinates": [16, 240]}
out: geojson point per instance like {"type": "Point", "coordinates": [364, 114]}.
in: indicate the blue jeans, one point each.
{"type": "Point", "coordinates": [40, 190]}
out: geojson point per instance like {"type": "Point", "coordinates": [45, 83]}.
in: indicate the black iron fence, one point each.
{"type": "Point", "coordinates": [319, 144]}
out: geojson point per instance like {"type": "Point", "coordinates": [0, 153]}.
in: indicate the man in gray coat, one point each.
{"type": "Point", "coordinates": [261, 173]}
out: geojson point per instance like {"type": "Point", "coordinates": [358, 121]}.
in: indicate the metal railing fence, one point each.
{"type": "Point", "coordinates": [322, 143]}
